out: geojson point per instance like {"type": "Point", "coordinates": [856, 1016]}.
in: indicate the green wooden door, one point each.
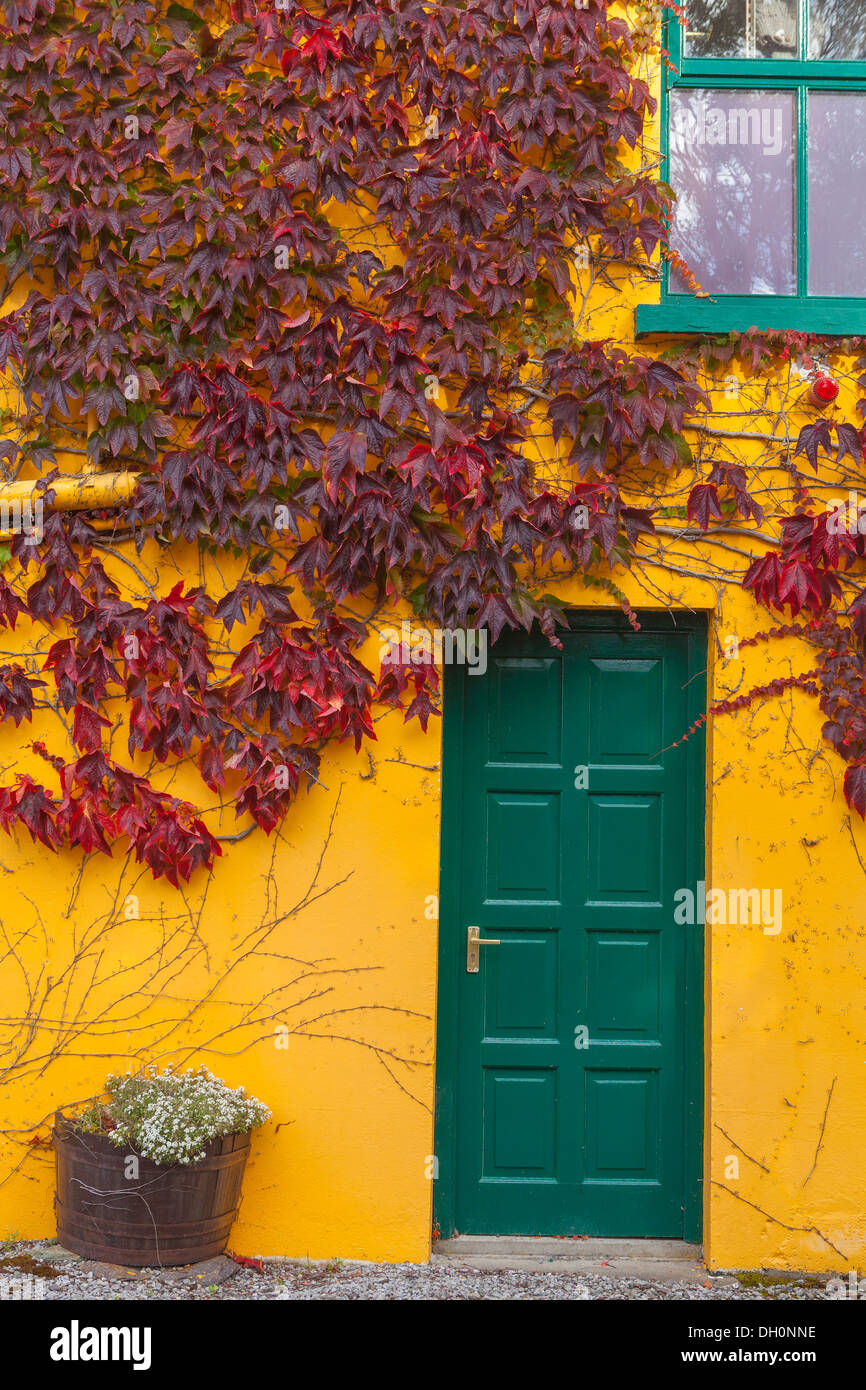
{"type": "Point", "coordinates": [569, 1070]}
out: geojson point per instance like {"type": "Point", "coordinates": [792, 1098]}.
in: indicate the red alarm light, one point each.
{"type": "Point", "coordinates": [822, 391]}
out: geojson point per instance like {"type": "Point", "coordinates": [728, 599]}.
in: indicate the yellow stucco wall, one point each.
{"type": "Point", "coordinates": [343, 1168]}
{"type": "Point", "coordinates": [346, 1062]}
{"type": "Point", "coordinates": [331, 1020]}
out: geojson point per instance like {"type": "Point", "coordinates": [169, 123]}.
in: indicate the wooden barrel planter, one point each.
{"type": "Point", "coordinates": [166, 1215]}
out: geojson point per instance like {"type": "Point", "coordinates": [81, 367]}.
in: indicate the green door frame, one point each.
{"type": "Point", "coordinates": [451, 960]}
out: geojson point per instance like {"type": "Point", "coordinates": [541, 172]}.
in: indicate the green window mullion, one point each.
{"type": "Point", "coordinates": [675, 43]}
{"type": "Point", "coordinates": [803, 27]}
{"type": "Point", "coordinates": [664, 148]}
{"type": "Point", "coordinates": [757, 72]}
{"type": "Point", "coordinates": [802, 191]}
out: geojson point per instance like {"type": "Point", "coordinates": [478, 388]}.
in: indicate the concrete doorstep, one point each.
{"type": "Point", "coordinates": [668, 1261]}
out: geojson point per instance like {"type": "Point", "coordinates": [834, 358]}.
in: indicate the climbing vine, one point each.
{"type": "Point", "coordinates": [317, 277]}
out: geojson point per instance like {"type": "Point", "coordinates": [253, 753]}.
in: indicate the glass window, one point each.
{"type": "Point", "coordinates": [837, 193]}
{"type": "Point", "coordinates": [765, 143]}
{"type": "Point", "coordinates": [837, 29]}
{"type": "Point", "coordinates": [732, 166]}
{"type": "Point", "coordinates": [744, 28]}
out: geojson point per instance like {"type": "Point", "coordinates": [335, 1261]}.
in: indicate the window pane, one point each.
{"type": "Point", "coordinates": [837, 29]}
{"type": "Point", "coordinates": [744, 28]}
{"type": "Point", "coordinates": [732, 168]}
{"type": "Point", "coordinates": [837, 193]}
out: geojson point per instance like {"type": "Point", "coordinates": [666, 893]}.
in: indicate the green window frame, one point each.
{"type": "Point", "coordinates": [722, 313]}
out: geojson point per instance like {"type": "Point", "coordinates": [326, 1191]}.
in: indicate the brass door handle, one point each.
{"type": "Point", "coordinates": [473, 941]}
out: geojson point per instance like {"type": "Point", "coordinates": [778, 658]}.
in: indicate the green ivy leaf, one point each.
{"type": "Point", "coordinates": [187, 16]}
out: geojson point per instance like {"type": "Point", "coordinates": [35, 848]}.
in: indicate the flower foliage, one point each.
{"type": "Point", "coordinates": [291, 266]}
{"type": "Point", "coordinates": [177, 198]}
{"type": "Point", "coordinates": [171, 1116]}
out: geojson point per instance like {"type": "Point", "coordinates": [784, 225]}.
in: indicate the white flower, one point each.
{"type": "Point", "coordinates": [171, 1116]}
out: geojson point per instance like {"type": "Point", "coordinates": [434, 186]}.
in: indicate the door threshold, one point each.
{"type": "Point", "coordinates": [673, 1260]}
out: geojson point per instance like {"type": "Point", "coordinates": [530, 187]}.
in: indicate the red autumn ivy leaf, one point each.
{"type": "Point", "coordinates": [704, 504]}
{"type": "Point", "coordinates": [357, 428]}
{"type": "Point", "coordinates": [855, 788]}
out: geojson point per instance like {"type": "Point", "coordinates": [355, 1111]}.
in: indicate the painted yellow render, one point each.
{"type": "Point", "coordinates": [344, 1168]}
{"type": "Point", "coordinates": [345, 900]}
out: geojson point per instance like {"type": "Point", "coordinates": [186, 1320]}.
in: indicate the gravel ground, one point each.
{"type": "Point", "coordinates": [25, 1272]}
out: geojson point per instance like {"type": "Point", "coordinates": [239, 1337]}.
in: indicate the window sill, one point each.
{"type": "Point", "coordinates": [842, 318]}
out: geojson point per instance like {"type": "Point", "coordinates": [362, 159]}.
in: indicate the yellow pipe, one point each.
{"type": "Point", "coordinates": [71, 494]}
{"type": "Point", "coordinates": [75, 493]}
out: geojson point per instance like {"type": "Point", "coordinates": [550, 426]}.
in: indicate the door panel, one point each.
{"type": "Point", "coordinates": [569, 1075]}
